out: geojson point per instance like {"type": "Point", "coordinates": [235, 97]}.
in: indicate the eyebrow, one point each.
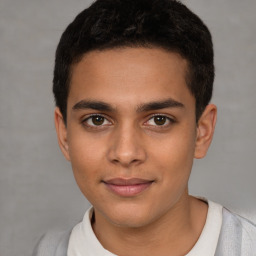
{"type": "Point", "coordinates": [96, 105]}
{"type": "Point", "coordinates": [102, 106]}
{"type": "Point", "coordinates": [155, 105]}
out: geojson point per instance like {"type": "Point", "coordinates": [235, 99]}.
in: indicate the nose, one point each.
{"type": "Point", "coordinates": [126, 147]}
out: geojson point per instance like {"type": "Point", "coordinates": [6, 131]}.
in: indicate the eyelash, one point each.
{"type": "Point", "coordinates": [87, 118]}
{"type": "Point", "coordinates": [170, 121]}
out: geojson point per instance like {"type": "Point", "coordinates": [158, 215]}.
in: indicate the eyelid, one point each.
{"type": "Point", "coordinates": [88, 116]}
{"type": "Point", "coordinates": [171, 119]}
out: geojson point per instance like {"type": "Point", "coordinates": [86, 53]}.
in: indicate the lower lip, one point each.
{"type": "Point", "coordinates": [128, 190]}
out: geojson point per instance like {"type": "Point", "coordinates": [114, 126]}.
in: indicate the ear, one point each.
{"type": "Point", "coordinates": [61, 131]}
{"type": "Point", "coordinates": [205, 130]}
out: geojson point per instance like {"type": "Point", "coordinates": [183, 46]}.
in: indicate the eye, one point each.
{"type": "Point", "coordinates": [96, 120]}
{"type": "Point", "coordinates": [159, 120]}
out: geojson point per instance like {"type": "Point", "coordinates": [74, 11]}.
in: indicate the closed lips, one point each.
{"type": "Point", "coordinates": [127, 182]}
{"type": "Point", "coordinates": [128, 187]}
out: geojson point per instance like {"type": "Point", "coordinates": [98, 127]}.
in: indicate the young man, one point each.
{"type": "Point", "coordinates": [132, 83]}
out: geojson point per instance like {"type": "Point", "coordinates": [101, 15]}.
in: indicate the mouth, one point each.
{"type": "Point", "coordinates": [127, 187]}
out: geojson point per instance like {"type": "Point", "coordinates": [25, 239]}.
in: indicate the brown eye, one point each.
{"type": "Point", "coordinates": [160, 120]}
{"type": "Point", "coordinates": [98, 120]}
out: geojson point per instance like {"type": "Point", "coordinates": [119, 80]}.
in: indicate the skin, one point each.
{"type": "Point", "coordinates": [128, 142]}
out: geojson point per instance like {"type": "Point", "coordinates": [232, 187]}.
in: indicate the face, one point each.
{"type": "Point", "coordinates": [131, 133]}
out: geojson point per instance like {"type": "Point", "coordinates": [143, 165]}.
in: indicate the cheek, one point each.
{"type": "Point", "coordinates": [85, 151]}
{"type": "Point", "coordinates": [175, 159]}
{"type": "Point", "coordinates": [86, 158]}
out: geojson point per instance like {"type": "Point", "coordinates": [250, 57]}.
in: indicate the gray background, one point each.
{"type": "Point", "coordinates": [37, 189]}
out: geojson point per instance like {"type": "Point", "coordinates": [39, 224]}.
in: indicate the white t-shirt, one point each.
{"type": "Point", "coordinates": [84, 242]}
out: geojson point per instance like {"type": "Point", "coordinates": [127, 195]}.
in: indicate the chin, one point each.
{"type": "Point", "coordinates": [130, 216]}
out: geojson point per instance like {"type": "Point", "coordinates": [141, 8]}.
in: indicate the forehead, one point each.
{"type": "Point", "coordinates": [129, 75]}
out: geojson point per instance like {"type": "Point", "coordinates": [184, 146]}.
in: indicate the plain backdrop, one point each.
{"type": "Point", "coordinates": [37, 188]}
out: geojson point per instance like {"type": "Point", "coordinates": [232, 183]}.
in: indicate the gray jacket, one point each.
{"type": "Point", "coordinates": [237, 238]}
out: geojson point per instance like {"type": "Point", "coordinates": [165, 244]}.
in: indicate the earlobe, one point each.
{"type": "Point", "coordinates": [61, 131]}
{"type": "Point", "coordinates": [205, 130]}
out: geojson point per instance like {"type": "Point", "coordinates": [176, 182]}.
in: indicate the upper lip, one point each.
{"type": "Point", "coordinates": [126, 182]}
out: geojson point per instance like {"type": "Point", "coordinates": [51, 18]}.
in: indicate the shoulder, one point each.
{"type": "Point", "coordinates": [53, 243]}
{"type": "Point", "coordinates": [234, 221]}
{"type": "Point", "coordinates": [238, 235]}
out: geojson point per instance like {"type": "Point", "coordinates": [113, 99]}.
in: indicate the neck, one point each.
{"type": "Point", "coordinates": [175, 233]}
